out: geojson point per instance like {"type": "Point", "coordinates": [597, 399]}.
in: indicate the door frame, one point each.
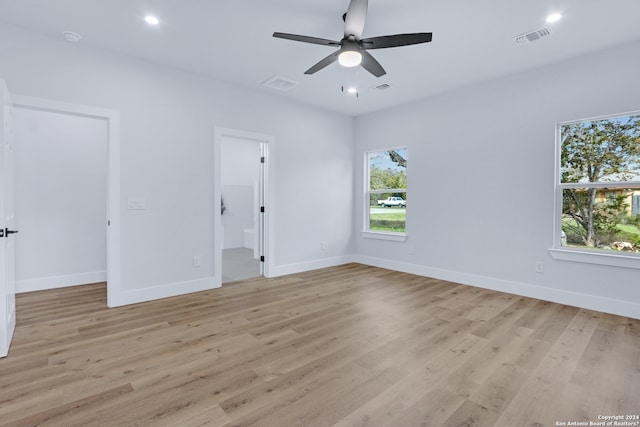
{"type": "Point", "coordinates": [7, 242]}
{"type": "Point", "coordinates": [267, 142]}
{"type": "Point", "coordinates": [113, 226]}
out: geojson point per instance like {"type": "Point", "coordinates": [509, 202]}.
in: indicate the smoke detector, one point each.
{"type": "Point", "coordinates": [532, 36]}
{"type": "Point", "coordinates": [71, 37]}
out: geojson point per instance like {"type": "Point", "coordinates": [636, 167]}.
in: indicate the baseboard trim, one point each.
{"type": "Point", "coordinates": [575, 299]}
{"type": "Point", "coordinates": [283, 270]}
{"type": "Point", "coordinates": [53, 282]}
{"type": "Point", "coordinates": [134, 296]}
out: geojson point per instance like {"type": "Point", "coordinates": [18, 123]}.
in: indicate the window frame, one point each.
{"type": "Point", "coordinates": [378, 234]}
{"type": "Point", "coordinates": [586, 255]}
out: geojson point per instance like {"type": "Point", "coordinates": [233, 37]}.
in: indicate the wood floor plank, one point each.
{"type": "Point", "coordinates": [432, 410]}
{"type": "Point", "coordinates": [403, 404]}
{"type": "Point", "coordinates": [58, 415]}
{"type": "Point", "coordinates": [296, 383]}
{"type": "Point", "coordinates": [355, 391]}
{"type": "Point", "coordinates": [346, 346]}
{"type": "Point", "coordinates": [532, 401]}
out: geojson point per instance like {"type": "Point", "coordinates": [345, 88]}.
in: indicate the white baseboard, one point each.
{"type": "Point", "coordinates": [42, 283]}
{"type": "Point", "coordinates": [125, 297]}
{"type": "Point", "coordinates": [575, 299]}
{"type": "Point", "coordinates": [118, 298]}
{"type": "Point", "coordinates": [283, 270]}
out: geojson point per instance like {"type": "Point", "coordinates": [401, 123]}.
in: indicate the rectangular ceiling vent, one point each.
{"type": "Point", "coordinates": [383, 86]}
{"type": "Point", "coordinates": [280, 83]}
{"type": "Point", "coordinates": [532, 36]}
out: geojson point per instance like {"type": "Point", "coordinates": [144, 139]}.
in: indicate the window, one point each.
{"type": "Point", "coordinates": [599, 185]}
{"type": "Point", "coordinates": [386, 192]}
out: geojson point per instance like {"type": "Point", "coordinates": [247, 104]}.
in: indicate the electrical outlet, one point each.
{"type": "Point", "coordinates": [539, 267]}
{"type": "Point", "coordinates": [196, 261]}
{"type": "Point", "coordinates": [323, 245]}
{"type": "Point", "coordinates": [412, 250]}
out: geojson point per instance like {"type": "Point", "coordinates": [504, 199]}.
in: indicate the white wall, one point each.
{"type": "Point", "coordinates": [240, 169]}
{"type": "Point", "coordinates": [480, 172]}
{"type": "Point", "coordinates": [240, 161]}
{"type": "Point", "coordinates": [481, 180]}
{"type": "Point", "coordinates": [238, 215]}
{"type": "Point", "coordinates": [60, 199]}
{"type": "Point", "coordinates": [167, 121]}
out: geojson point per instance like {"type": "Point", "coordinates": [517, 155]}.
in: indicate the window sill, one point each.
{"type": "Point", "coordinates": [394, 237]}
{"type": "Point", "coordinates": [629, 260]}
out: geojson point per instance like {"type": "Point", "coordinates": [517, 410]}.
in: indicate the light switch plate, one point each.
{"type": "Point", "coordinates": [136, 204]}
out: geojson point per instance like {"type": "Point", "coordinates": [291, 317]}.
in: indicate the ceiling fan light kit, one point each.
{"type": "Point", "coordinates": [353, 48]}
{"type": "Point", "coordinates": [350, 58]}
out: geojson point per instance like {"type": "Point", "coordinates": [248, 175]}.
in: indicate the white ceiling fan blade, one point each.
{"type": "Point", "coordinates": [355, 19]}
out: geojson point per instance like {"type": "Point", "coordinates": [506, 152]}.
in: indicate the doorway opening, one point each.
{"type": "Point", "coordinates": [241, 187]}
{"type": "Point", "coordinates": [70, 208]}
{"type": "Point", "coordinates": [60, 199]}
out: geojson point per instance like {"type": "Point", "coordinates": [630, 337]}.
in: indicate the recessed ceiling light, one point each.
{"type": "Point", "coordinates": [151, 20]}
{"type": "Point", "coordinates": [352, 90]}
{"type": "Point", "coordinates": [554, 17]}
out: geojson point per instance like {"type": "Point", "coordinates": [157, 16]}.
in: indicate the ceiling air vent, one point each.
{"type": "Point", "coordinates": [532, 36]}
{"type": "Point", "coordinates": [280, 83]}
{"type": "Point", "coordinates": [383, 86]}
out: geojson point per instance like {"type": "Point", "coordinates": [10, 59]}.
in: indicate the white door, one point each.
{"type": "Point", "coordinates": [256, 219]}
{"type": "Point", "coordinates": [260, 229]}
{"type": "Point", "coordinates": [7, 249]}
{"type": "Point", "coordinates": [258, 207]}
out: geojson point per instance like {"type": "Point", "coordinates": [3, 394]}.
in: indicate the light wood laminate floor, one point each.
{"type": "Point", "coordinates": [345, 346]}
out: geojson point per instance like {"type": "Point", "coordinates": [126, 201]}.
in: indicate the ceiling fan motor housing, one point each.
{"type": "Point", "coordinates": [353, 48]}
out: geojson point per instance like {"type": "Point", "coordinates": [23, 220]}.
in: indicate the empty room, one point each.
{"type": "Point", "coordinates": [320, 213]}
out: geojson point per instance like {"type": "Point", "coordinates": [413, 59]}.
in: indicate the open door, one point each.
{"type": "Point", "coordinates": [259, 183]}
{"type": "Point", "coordinates": [259, 208]}
{"type": "Point", "coordinates": [7, 231]}
{"type": "Point", "coordinates": [257, 204]}
{"type": "Point", "coordinates": [260, 229]}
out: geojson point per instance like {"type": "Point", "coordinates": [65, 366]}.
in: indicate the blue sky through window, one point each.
{"type": "Point", "coordinates": [382, 160]}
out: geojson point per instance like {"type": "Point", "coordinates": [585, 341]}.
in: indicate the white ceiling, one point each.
{"type": "Point", "coordinates": [231, 40]}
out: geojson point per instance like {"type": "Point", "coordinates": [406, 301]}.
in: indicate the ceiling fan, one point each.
{"type": "Point", "coordinates": [353, 48]}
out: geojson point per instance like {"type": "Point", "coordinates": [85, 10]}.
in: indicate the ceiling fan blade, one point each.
{"type": "Point", "coordinates": [395, 40]}
{"type": "Point", "coordinates": [355, 18]}
{"type": "Point", "coordinates": [306, 39]}
{"type": "Point", "coordinates": [370, 64]}
{"type": "Point", "coordinates": [325, 62]}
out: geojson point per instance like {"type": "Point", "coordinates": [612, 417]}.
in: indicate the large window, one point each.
{"type": "Point", "coordinates": [386, 191]}
{"type": "Point", "coordinates": [599, 185]}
